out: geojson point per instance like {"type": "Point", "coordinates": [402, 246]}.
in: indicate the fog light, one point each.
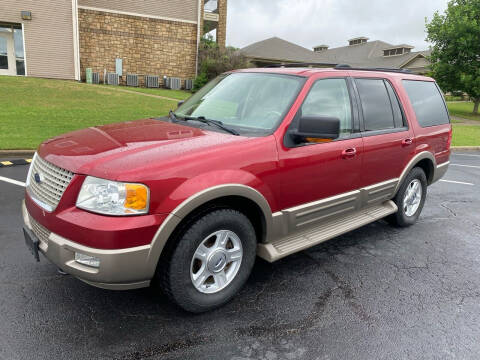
{"type": "Point", "coordinates": [87, 260]}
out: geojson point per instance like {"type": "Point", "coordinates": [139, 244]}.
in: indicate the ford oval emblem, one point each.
{"type": "Point", "coordinates": [38, 178]}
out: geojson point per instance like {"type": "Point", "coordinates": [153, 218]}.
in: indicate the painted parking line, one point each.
{"type": "Point", "coordinates": [468, 166]}
{"type": "Point", "coordinates": [457, 182]}
{"type": "Point", "coordinates": [12, 181]}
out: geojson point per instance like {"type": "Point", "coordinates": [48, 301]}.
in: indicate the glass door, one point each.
{"type": "Point", "coordinates": [8, 58]}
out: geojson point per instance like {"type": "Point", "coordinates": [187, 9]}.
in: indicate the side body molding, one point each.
{"type": "Point", "coordinates": [187, 206]}
{"type": "Point", "coordinates": [363, 205]}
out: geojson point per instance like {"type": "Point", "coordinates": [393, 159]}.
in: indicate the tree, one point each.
{"type": "Point", "coordinates": [455, 54]}
{"type": "Point", "coordinates": [213, 61]}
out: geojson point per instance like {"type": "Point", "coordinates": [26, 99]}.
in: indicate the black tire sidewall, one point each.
{"type": "Point", "coordinates": [402, 218]}
{"type": "Point", "coordinates": [181, 287]}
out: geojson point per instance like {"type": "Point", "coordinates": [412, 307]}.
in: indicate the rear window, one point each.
{"type": "Point", "coordinates": [427, 102]}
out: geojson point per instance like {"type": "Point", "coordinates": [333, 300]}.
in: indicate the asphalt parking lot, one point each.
{"type": "Point", "coordinates": [375, 293]}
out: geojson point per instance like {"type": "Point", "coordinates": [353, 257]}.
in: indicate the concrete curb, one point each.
{"type": "Point", "coordinates": [15, 162]}
{"type": "Point", "coordinates": [12, 153]}
{"type": "Point", "coordinates": [465, 147]}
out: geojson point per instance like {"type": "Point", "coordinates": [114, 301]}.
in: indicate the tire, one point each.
{"type": "Point", "coordinates": [186, 261]}
{"type": "Point", "coordinates": [404, 216]}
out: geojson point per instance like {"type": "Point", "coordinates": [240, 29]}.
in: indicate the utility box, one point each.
{"type": "Point", "coordinates": [119, 66]}
{"type": "Point", "coordinates": [88, 75]}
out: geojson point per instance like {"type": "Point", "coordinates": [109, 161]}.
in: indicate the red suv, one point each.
{"type": "Point", "coordinates": [263, 162]}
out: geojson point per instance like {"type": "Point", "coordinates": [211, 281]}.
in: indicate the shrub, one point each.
{"type": "Point", "coordinates": [213, 61]}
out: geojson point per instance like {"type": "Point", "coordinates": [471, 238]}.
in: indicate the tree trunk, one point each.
{"type": "Point", "coordinates": [476, 102]}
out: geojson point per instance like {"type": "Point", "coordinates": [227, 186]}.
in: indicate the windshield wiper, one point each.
{"type": "Point", "coordinates": [172, 116]}
{"type": "Point", "coordinates": [217, 123]}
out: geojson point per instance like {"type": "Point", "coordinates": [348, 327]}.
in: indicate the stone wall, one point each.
{"type": "Point", "coordinates": [147, 46]}
{"type": "Point", "coordinates": [222, 23]}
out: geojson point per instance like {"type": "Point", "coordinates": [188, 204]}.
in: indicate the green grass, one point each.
{"type": "Point", "coordinates": [174, 94]}
{"type": "Point", "coordinates": [462, 110]}
{"type": "Point", "coordinates": [466, 135]}
{"type": "Point", "coordinates": [32, 110]}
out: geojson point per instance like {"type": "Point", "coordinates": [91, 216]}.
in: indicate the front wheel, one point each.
{"type": "Point", "coordinates": [211, 261]}
{"type": "Point", "coordinates": [410, 199]}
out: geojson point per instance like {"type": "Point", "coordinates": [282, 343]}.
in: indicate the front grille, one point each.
{"type": "Point", "coordinates": [47, 183]}
{"type": "Point", "coordinates": [41, 232]}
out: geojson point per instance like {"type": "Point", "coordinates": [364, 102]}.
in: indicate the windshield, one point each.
{"type": "Point", "coordinates": [254, 102]}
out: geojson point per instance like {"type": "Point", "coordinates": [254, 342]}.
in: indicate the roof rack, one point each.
{"type": "Point", "coordinates": [297, 65]}
{"type": "Point", "coordinates": [348, 67]}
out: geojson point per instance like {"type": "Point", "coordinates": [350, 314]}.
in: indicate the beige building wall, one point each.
{"type": "Point", "coordinates": [419, 65]}
{"type": "Point", "coordinates": [166, 9]}
{"type": "Point", "coordinates": [49, 48]}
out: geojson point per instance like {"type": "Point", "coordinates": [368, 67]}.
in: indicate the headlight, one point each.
{"type": "Point", "coordinates": [112, 197]}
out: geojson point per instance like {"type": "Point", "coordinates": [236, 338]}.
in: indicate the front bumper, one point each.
{"type": "Point", "coordinates": [119, 269]}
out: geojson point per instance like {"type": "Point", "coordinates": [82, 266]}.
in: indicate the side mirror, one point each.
{"type": "Point", "coordinates": [317, 127]}
{"type": "Point", "coordinates": [180, 103]}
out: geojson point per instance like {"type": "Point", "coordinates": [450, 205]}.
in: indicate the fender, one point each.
{"type": "Point", "coordinates": [411, 164]}
{"type": "Point", "coordinates": [175, 217]}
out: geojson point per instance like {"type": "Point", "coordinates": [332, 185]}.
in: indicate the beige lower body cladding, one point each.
{"type": "Point", "coordinates": [147, 46]}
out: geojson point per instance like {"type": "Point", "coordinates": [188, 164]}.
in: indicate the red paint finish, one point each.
{"type": "Point", "coordinates": [385, 156]}
{"type": "Point", "coordinates": [177, 161]}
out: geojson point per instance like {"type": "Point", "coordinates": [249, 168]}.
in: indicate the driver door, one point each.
{"type": "Point", "coordinates": [321, 179]}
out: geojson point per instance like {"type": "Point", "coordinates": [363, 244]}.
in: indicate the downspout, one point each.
{"type": "Point", "coordinates": [198, 34]}
{"type": "Point", "coordinates": [76, 41]}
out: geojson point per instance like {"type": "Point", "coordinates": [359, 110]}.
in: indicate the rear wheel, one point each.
{"type": "Point", "coordinates": [211, 261]}
{"type": "Point", "coordinates": [410, 199]}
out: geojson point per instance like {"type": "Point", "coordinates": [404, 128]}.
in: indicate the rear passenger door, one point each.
{"type": "Point", "coordinates": [387, 138]}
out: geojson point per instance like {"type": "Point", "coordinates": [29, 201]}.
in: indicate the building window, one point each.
{"type": "Point", "coordinates": [361, 40]}
{"type": "Point", "coordinates": [3, 54]}
{"type": "Point", "coordinates": [396, 51]}
{"type": "Point", "coordinates": [12, 54]}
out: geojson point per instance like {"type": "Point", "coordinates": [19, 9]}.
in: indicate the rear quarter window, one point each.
{"type": "Point", "coordinates": [427, 102]}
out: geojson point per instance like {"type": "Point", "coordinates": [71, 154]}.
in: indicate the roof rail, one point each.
{"type": "Point", "coordinates": [348, 67]}
{"type": "Point", "coordinates": [306, 64]}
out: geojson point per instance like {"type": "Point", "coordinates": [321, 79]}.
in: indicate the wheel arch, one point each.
{"type": "Point", "coordinates": [241, 197]}
{"type": "Point", "coordinates": [424, 160]}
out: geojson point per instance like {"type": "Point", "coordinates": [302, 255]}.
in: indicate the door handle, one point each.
{"type": "Point", "coordinates": [406, 142]}
{"type": "Point", "coordinates": [349, 153]}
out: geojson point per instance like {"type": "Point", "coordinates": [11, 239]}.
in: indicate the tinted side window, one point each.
{"type": "Point", "coordinates": [427, 102]}
{"type": "Point", "coordinates": [330, 97]}
{"type": "Point", "coordinates": [377, 109]}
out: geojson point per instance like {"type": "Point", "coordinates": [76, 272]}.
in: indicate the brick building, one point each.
{"type": "Point", "coordinates": [61, 38]}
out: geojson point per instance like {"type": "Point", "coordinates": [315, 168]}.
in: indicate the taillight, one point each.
{"type": "Point", "coordinates": [449, 141]}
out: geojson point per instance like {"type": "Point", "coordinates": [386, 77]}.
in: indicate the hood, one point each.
{"type": "Point", "coordinates": [106, 151]}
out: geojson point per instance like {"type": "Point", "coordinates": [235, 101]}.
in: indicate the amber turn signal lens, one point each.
{"type": "Point", "coordinates": [318, 140]}
{"type": "Point", "coordinates": [136, 196]}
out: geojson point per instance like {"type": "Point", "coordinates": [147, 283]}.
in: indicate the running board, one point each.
{"type": "Point", "coordinates": [327, 230]}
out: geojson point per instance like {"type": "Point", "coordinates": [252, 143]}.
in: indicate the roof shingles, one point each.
{"type": "Point", "coordinates": [368, 54]}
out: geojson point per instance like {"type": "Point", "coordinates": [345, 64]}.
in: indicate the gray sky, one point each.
{"type": "Point", "coordinates": [332, 22]}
